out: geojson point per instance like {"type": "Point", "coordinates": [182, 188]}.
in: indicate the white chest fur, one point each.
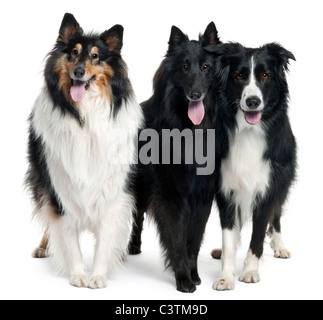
{"type": "Point", "coordinates": [88, 165]}
{"type": "Point", "coordinates": [245, 173]}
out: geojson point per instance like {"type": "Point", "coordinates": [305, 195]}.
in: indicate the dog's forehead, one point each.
{"type": "Point", "coordinates": [87, 43]}
{"type": "Point", "coordinates": [263, 60]}
{"type": "Point", "coordinates": [241, 60]}
{"type": "Point", "coordinates": [194, 52]}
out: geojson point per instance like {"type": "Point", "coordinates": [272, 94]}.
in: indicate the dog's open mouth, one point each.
{"type": "Point", "coordinates": [79, 88]}
{"type": "Point", "coordinates": [252, 117]}
{"type": "Point", "coordinates": [196, 111]}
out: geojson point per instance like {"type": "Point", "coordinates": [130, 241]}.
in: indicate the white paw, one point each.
{"type": "Point", "coordinates": [79, 280]}
{"type": "Point", "coordinates": [224, 283]}
{"type": "Point", "coordinates": [278, 246]}
{"type": "Point", "coordinates": [97, 282]}
{"type": "Point", "coordinates": [282, 253]}
{"type": "Point", "coordinates": [39, 253]}
{"type": "Point", "coordinates": [251, 276]}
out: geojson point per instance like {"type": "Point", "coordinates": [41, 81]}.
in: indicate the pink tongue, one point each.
{"type": "Point", "coordinates": [252, 117]}
{"type": "Point", "coordinates": [78, 90]}
{"type": "Point", "coordinates": [196, 111]}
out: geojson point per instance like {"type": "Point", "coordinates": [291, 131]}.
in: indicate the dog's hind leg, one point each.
{"type": "Point", "coordinates": [47, 214]}
{"type": "Point", "coordinates": [277, 244]}
{"type": "Point", "coordinates": [274, 232]}
{"type": "Point", "coordinates": [134, 246]}
{"type": "Point", "coordinates": [41, 250]}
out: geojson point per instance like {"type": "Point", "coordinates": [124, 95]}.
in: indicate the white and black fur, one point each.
{"type": "Point", "coordinates": [256, 152]}
{"type": "Point", "coordinates": [80, 156]}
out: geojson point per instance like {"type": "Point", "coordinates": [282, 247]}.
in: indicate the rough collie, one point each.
{"type": "Point", "coordinates": [176, 196]}
{"type": "Point", "coordinates": [83, 129]}
{"type": "Point", "coordinates": [257, 152]}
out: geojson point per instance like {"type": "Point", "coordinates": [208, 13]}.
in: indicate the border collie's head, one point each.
{"type": "Point", "coordinates": [188, 70]}
{"type": "Point", "coordinates": [80, 62]}
{"type": "Point", "coordinates": [253, 80]}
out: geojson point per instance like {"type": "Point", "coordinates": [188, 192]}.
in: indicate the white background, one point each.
{"type": "Point", "coordinates": [28, 31]}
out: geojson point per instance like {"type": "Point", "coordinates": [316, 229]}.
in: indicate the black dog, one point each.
{"type": "Point", "coordinates": [178, 198]}
{"type": "Point", "coordinates": [257, 151]}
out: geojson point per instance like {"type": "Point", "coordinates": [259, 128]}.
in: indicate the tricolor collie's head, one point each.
{"type": "Point", "coordinates": [82, 64]}
{"type": "Point", "coordinates": [253, 80]}
{"type": "Point", "coordinates": [187, 72]}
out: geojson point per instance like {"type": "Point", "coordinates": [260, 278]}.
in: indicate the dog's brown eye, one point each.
{"type": "Point", "coordinates": [185, 67]}
{"type": "Point", "coordinates": [206, 67]}
{"type": "Point", "coordinates": [265, 76]}
{"type": "Point", "coordinates": [239, 76]}
{"type": "Point", "coordinates": [95, 56]}
{"type": "Point", "coordinates": [75, 52]}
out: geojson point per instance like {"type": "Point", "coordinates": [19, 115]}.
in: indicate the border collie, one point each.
{"type": "Point", "coordinates": [82, 141]}
{"type": "Point", "coordinates": [258, 152]}
{"type": "Point", "coordinates": [178, 199]}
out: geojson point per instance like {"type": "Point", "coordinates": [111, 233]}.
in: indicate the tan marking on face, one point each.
{"type": "Point", "coordinates": [79, 49]}
{"type": "Point", "coordinates": [103, 74]}
{"type": "Point", "coordinates": [64, 68]}
{"type": "Point", "coordinates": [94, 51]}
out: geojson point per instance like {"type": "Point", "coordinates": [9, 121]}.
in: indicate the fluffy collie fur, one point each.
{"type": "Point", "coordinates": [256, 149]}
{"type": "Point", "coordinates": [176, 197]}
{"type": "Point", "coordinates": [83, 129]}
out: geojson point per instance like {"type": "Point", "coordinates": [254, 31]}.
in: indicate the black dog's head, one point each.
{"type": "Point", "coordinates": [189, 70]}
{"type": "Point", "coordinates": [253, 80]}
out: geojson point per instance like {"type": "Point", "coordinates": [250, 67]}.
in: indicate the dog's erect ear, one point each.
{"type": "Point", "coordinates": [69, 28]}
{"type": "Point", "coordinates": [177, 37]}
{"type": "Point", "coordinates": [113, 38]}
{"type": "Point", "coordinates": [281, 55]}
{"type": "Point", "coordinates": [210, 36]}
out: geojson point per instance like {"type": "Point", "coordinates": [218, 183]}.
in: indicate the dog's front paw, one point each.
{"type": "Point", "coordinates": [224, 283]}
{"type": "Point", "coordinates": [251, 276]}
{"type": "Point", "coordinates": [79, 280]}
{"type": "Point", "coordinates": [97, 282]}
{"type": "Point", "coordinates": [185, 286]}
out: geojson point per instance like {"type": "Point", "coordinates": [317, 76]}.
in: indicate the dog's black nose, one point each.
{"type": "Point", "coordinates": [79, 73]}
{"type": "Point", "coordinates": [195, 96]}
{"type": "Point", "coordinates": [253, 102]}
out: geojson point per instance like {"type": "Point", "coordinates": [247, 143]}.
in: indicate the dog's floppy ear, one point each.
{"type": "Point", "coordinates": [69, 28]}
{"type": "Point", "coordinates": [224, 48]}
{"type": "Point", "coordinates": [281, 55]}
{"type": "Point", "coordinates": [281, 58]}
{"type": "Point", "coordinates": [177, 37]}
{"type": "Point", "coordinates": [210, 36]}
{"type": "Point", "coordinates": [223, 55]}
{"type": "Point", "coordinates": [113, 38]}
